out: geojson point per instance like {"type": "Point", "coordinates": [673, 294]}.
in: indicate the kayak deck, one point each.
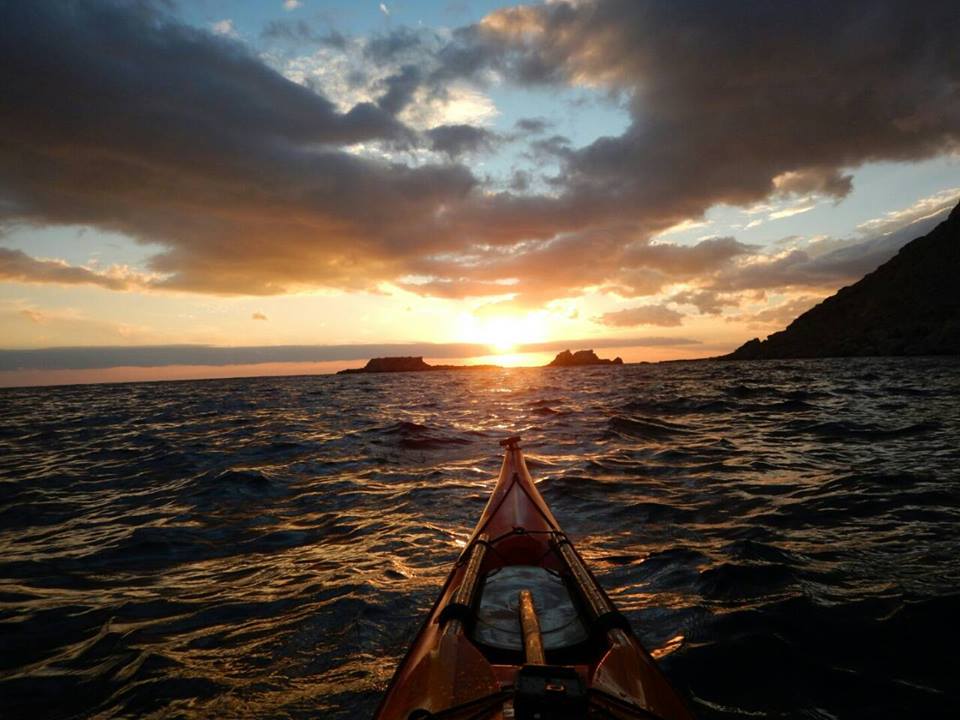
{"type": "Point", "coordinates": [522, 629]}
{"type": "Point", "coordinates": [497, 623]}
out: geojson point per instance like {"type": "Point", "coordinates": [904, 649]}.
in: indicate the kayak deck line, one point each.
{"type": "Point", "coordinates": [522, 630]}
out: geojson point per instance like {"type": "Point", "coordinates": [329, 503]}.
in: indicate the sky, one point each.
{"type": "Point", "coordinates": [197, 189]}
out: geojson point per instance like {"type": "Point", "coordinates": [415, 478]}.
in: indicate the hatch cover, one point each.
{"type": "Point", "coordinates": [498, 618]}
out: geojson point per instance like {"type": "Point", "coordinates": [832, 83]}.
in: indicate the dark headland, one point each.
{"type": "Point", "coordinates": [910, 305]}
{"type": "Point", "coordinates": [416, 364]}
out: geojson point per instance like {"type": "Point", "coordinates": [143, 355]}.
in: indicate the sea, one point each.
{"type": "Point", "coordinates": [784, 536]}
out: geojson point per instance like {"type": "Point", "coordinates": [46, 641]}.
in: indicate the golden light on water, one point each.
{"type": "Point", "coordinates": [671, 645]}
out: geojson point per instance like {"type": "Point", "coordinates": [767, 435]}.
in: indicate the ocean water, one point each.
{"type": "Point", "coordinates": [784, 536]}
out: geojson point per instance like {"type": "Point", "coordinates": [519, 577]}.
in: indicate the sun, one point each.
{"type": "Point", "coordinates": [502, 333]}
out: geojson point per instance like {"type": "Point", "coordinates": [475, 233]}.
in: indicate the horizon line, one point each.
{"type": "Point", "coordinates": [101, 357]}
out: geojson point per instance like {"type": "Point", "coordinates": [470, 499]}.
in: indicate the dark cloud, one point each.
{"type": "Point", "coordinates": [550, 149]}
{"type": "Point", "coordinates": [117, 116]}
{"type": "Point", "coordinates": [532, 126]}
{"type": "Point", "coordinates": [400, 89]}
{"type": "Point", "coordinates": [457, 140]}
{"type": "Point", "coordinates": [520, 181]}
{"type": "Point", "coordinates": [470, 54]}
{"type": "Point", "coordinates": [401, 43]}
{"type": "Point", "coordinates": [727, 101]}
{"type": "Point", "coordinates": [301, 32]}
{"type": "Point", "coordinates": [684, 261]}
{"type": "Point", "coordinates": [732, 105]}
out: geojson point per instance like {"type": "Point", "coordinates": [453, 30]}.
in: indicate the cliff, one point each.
{"type": "Point", "coordinates": [910, 305]}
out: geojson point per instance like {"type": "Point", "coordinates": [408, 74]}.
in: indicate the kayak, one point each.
{"type": "Point", "coordinates": [522, 630]}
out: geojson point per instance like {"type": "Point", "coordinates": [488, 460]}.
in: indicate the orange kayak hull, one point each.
{"type": "Point", "coordinates": [448, 669]}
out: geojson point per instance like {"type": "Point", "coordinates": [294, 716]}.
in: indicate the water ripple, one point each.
{"type": "Point", "coordinates": [783, 535]}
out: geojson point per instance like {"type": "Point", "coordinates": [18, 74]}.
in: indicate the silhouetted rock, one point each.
{"type": "Point", "coordinates": [579, 358]}
{"type": "Point", "coordinates": [391, 364]}
{"type": "Point", "coordinates": [416, 364]}
{"type": "Point", "coordinates": [910, 305]}
{"type": "Point", "coordinates": [406, 364]}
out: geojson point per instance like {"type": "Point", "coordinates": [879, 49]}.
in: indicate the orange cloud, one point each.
{"type": "Point", "coordinates": [642, 315]}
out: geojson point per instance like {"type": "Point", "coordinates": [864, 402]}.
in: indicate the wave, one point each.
{"type": "Point", "coordinates": [679, 406]}
{"type": "Point", "coordinates": [851, 430]}
{"type": "Point", "coordinates": [415, 436]}
{"type": "Point", "coordinates": [645, 428]}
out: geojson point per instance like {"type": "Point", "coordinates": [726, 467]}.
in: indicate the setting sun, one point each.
{"type": "Point", "coordinates": [502, 333]}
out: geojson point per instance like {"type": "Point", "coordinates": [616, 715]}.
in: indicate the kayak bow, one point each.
{"type": "Point", "coordinates": [523, 630]}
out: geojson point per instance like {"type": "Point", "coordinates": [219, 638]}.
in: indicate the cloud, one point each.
{"type": "Point", "coordinates": [224, 27]}
{"type": "Point", "coordinates": [790, 124]}
{"type": "Point", "coordinates": [252, 183]}
{"type": "Point", "coordinates": [533, 126]}
{"type": "Point", "coordinates": [830, 264]}
{"type": "Point", "coordinates": [923, 210]}
{"type": "Point", "coordinates": [570, 264]}
{"type": "Point", "coordinates": [222, 153]}
{"type": "Point", "coordinates": [35, 316]}
{"type": "Point", "coordinates": [400, 89]}
{"type": "Point", "coordinates": [642, 315]}
{"type": "Point", "coordinates": [391, 70]}
{"type": "Point", "coordinates": [686, 260]}
{"type": "Point", "coordinates": [301, 32]}
{"type": "Point", "coordinates": [402, 45]}
{"type": "Point", "coordinates": [550, 149]}
{"type": "Point", "coordinates": [779, 315]}
{"type": "Point", "coordinates": [457, 140]}
{"type": "Point", "coordinates": [31, 326]}
{"type": "Point", "coordinates": [707, 302]}
{"type": "Point", "coordinates": [684, 226]}
{"type": "Point", "coordinates": [456, 105]}
{"type": "Point", "coordinates": [258, 316]}
{"type": "Point", "coordinates": [790, 211]}
{"type": "Point", "coordinates": [520, 181]}
{"type": "Point", "coordinates": [17, 266]}
{"type": "Point", "coordinates": [820, 181]}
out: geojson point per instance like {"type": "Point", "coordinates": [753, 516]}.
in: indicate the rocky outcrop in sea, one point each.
{"type": "Point", "coordinates": [417, 364]}
{"type": "Point", "coordinates": [580, 358]}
